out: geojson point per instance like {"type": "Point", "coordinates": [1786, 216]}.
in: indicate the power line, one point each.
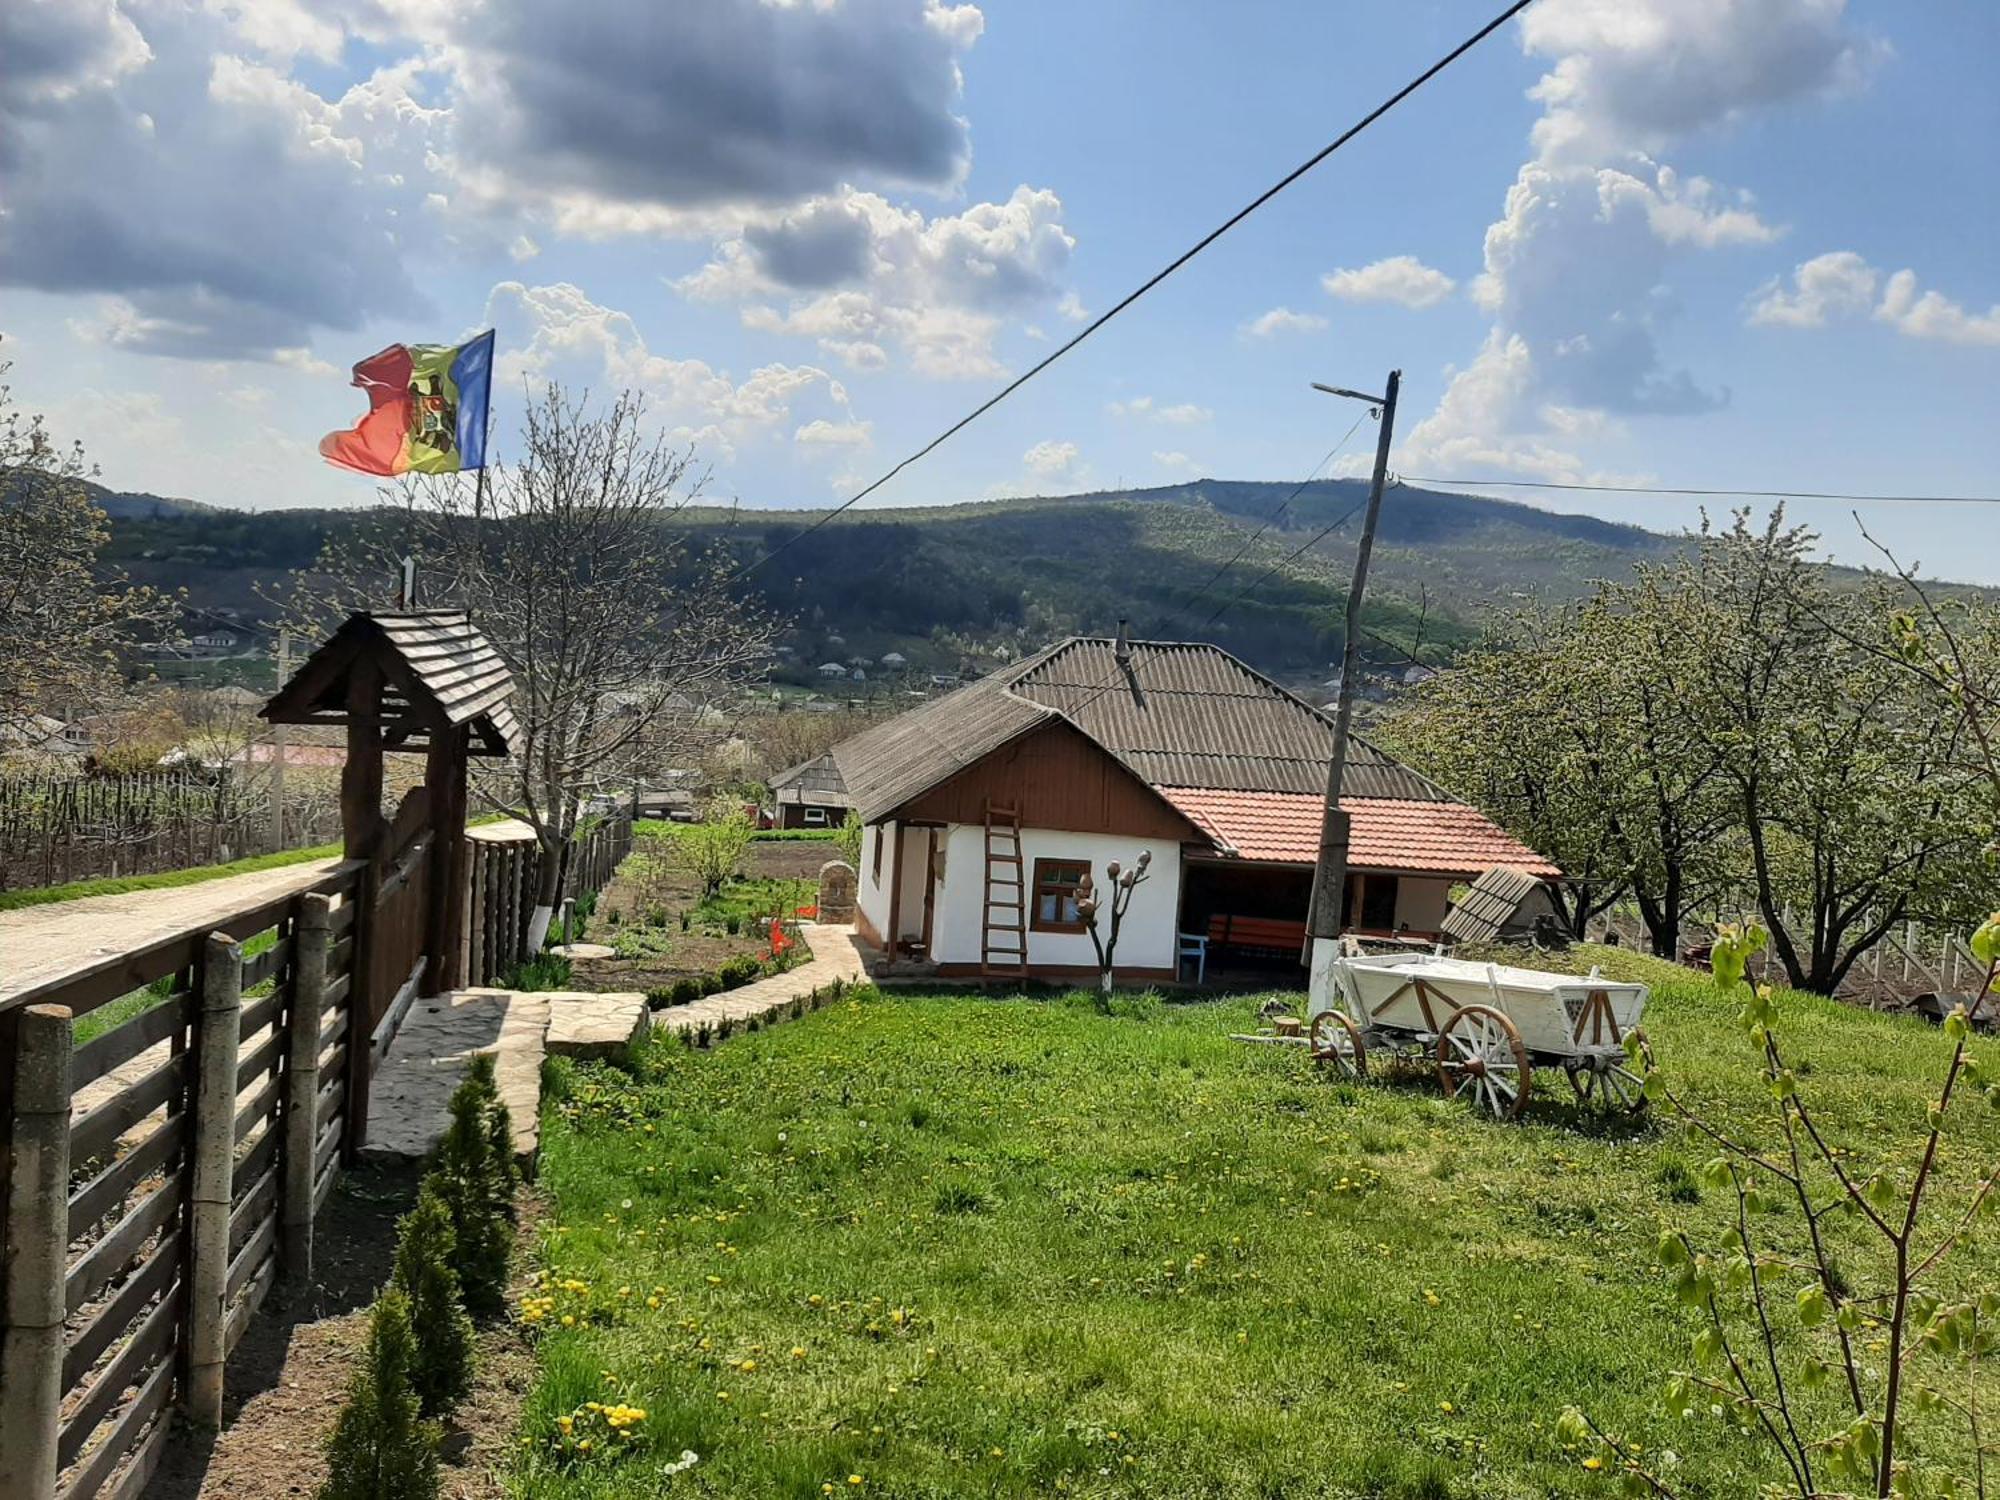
{"type": "Point", "coordinates": [1150, 282]}
{"type": "Point", "coordinates": [1655, 489]}
{"type": "Point", "coordinates": [1183, 613]}
{"type": "Point", "coordinates": [1272, 519]}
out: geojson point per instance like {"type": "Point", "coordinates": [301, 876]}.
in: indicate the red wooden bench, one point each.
{"type": "Point", "coordinates": [1262, 933]}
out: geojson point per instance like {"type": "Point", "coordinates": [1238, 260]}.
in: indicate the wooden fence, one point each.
{"type": "Point", "coordinates": [166, 1169]}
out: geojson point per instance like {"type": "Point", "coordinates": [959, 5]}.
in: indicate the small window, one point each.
{"type": "Point", "coordinates": [1056, 881]}
{"type": "Point", "coordinates": [815, 817]}
{"type": "Point", "coordinates": [875, 856]}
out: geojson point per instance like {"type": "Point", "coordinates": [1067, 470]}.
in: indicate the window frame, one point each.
{"type": "Point", "coordinates": [1041, 882]}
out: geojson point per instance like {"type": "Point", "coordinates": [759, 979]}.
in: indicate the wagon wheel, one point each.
{"type": "Point", "coordinates": [1337, 1043]}
{"type": "Point", "coordinates": [1609, 1085]}
{"type": "Point", "coordinates": [1480, 1052]}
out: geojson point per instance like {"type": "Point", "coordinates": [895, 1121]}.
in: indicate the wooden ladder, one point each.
{"type": "Point", "coordinates": [1003, 932]}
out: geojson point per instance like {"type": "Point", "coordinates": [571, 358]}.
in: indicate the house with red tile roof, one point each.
{"type": "Point", "coordinates": [985, 810]}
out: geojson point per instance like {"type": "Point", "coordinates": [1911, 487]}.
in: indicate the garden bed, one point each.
{"type": "Point", "coordinates": [654, 915]}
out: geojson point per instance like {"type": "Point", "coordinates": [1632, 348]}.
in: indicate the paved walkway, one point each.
{"type": "Point", "coordinates": [835, 956]}
{"type": "Point", "coordinates": [66, 939]}
{"type": "Point", "coordinates": [409, 1098]}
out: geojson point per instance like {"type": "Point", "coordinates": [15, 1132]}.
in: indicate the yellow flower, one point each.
{"type": "Point", "coordinates": [1446, 1407]}
{"type": "Point", "coordinates": [854, 1479]}
{"type": "Point", "coordinates": [1593, 1462]}
{"type": "Point", "coordinates": [798, 1352]}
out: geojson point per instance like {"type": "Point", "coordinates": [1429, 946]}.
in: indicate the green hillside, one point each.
{"type": "Point", "coordinates": [950, 586]}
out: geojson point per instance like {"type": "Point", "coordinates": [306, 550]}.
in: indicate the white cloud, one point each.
{"type": "Point", "coordinates": [1050, 459]}
{"type": "Point", "coordinates": [228, 208]}
{"type": "Point", "coordinates": [824, 434]}
{"type": "Point", "coordinates": [557, 331]}
{"type": "Point", "coordinates": [1401, 279]}
{"type": "Point", "coordinates": [1282, 320]}
{"type": "Point", "coordinates": [1577, 270]}
{"type": "Point", "coordinates": [1933, 315]}
{"type": "Point", "coordinates": [1843, 284]}
{"type": "Point", "coordinates": [1071, 307]}
{"type": "Point", "coordinates": [1637, 75]}
{"type": "Point", "coordinates": [1175, 459]}
{"type": "Point", "coordinates": [864, 273]}
{"type": "Point", "coordinates": [1145, 408]}
{"type": "Point", "coordinates": [1838, 282]}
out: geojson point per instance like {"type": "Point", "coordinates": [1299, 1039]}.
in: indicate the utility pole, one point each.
{"type": "Point", "coordinates": [279, 737]}
{"type": "Point", "coordinates": [1330, 872]}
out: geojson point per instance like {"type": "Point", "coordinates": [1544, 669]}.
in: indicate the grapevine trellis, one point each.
{"type": "Point", "coordinates": [57, 826]}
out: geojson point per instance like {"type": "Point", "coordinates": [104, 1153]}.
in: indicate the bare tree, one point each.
{"type": "Point", "coordinates": [65, 618]}
{"type": "Point", "coordinates": [1089, 903]}
{"type": "Point", "coordinates": [572, 563]}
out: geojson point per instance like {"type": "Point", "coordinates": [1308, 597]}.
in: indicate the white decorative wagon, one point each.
{"type": "Point", "coordinates": [1485, 1027]}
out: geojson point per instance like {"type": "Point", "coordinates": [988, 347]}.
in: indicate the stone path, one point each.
{"type": "Point", "coordinates": [835, 956]}
{"type": "Point", "coordinates": [439, 1038]}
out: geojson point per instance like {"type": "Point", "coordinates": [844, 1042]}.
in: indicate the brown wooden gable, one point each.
{"type": "Point", "coordinates": [1058, 777]}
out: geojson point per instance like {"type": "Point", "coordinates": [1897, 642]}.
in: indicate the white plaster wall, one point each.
{"type": "Point", "coordinates": [873, 894]}
{"type": "Point", "coordinates": [1146, 941]}
{"type": "Point", "coordinates": [1420, 904]}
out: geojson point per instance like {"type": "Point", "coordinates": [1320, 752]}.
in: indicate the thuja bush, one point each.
{"type": "Point", "coordinates": [427, 1274]}
{"type": "Point", "coordinates": [1842, 1322]}
{"type": "Point", "coordinates": [382, 1448]}
{"type": "Point", "coordinates": [475, 1176]}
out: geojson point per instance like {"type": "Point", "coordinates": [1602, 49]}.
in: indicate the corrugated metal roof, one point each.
{"type": "Point", "coordinates": [1384, 833]}
{"type": "Point", "coordinates": [1190, 714]}
{"type": "Point", "coordinates": [1483, 912]}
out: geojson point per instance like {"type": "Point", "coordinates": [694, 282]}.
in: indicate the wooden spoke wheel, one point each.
{"type": "Point", "coordinates": [1610, 1084]}
{"type": "Point", "coordinates": [1336, 1044]}
{"type": "Point", "coordinates": [1479, 1054]}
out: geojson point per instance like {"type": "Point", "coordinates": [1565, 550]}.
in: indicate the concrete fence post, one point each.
{"type": "Point", "coordinates": [37, 1254]}
{"type": "Point", "coordinates": [218, 1038]}
{"type": "Point", "coordinates": [311, 935]}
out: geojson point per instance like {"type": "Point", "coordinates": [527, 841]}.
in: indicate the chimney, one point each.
{"type": "Point", "coordinates": [1121, 650]}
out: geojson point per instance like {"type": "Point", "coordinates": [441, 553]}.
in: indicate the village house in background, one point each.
{"type": "Point", "coordinates": [811, 795]}
{"type": "Point", "coordinates": [985, 807]}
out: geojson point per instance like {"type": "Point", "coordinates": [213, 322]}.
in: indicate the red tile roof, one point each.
{"type": "Point", "coordinates": [1389, 833]}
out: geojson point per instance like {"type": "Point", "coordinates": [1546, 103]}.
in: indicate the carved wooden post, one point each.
{"type": "Point", "coordinates": [361, 1001]}
{"type": "Point", "coordinates": [37, 1251]}
{"type": "Point", "coordinates": [310, 936]}
{"type": "Point", "coordinates": [217, 1040]}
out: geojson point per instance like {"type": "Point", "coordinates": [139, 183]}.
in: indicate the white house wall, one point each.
{"type": "Point", "coordinates": [1146, 941]}
{"type": "Point", "coordinates": [872, 886]}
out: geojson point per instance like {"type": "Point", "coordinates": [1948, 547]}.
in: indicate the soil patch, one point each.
{"type": "Point", "coordinates": [288, 1377]}
{"type": "Point", "coordinates": [651, 894]}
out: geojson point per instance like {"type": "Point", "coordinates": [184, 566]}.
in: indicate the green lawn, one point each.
{"type": "Point", "coordinates": [949, 1245]}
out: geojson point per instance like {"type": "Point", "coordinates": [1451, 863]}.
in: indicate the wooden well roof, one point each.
{"type": "Point", "coordinates": [438, 669]}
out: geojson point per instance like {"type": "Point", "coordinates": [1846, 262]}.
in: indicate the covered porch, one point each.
{"type": "Point", "coordinates": [1241, 920]}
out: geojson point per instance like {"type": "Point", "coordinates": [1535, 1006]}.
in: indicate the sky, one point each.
{"type": "Point", "coordinates": [1737, 243]}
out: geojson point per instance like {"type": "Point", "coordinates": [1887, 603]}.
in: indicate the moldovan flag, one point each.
{"type": "Point", "coordinates": [426, 410]}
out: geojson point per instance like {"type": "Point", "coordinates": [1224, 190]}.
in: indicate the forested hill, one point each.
{"type": "Point", "coordinates": [941, 584]}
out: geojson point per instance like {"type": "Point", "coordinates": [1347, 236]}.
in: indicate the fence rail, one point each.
{"type": "Point", "coordinates": [166, 1168]}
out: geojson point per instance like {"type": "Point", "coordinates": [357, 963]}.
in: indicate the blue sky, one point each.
{"type": "Point", "coordinates": [1733, 242]}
